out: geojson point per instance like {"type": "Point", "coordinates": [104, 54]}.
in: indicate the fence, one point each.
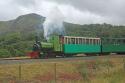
{"type": "Point", "coordinates": [64, 72]}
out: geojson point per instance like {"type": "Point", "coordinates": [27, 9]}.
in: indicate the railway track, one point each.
{"type": "Point", "coordinates": [59, 59]}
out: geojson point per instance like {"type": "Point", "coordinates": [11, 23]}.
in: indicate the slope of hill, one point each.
{"type": "Point", "coordinates": [24, 23]}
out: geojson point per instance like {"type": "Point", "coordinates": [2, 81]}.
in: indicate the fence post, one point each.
{"type": "Point", "coordinates": [20, 72]}
{"type": "Point", "coordinates": [124, 63]}
{"type": "Point", "coordinates": [55, 71]}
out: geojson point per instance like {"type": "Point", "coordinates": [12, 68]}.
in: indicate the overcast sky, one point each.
{"type": "Point", "coordinates": [75, 11]}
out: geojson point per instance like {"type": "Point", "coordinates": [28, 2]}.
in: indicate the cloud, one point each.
{"type": "Point", "coordinates": [75, 11]}
{"type": "Point", "coordinates": [10, 9]}
{"type": "Point", "coordinates": [25, 2]}
{"type": "Point", "coordinates": [112, 9]}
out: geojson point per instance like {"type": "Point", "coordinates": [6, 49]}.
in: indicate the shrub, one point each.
{"type": "Point", "coordinates": [4, 53]}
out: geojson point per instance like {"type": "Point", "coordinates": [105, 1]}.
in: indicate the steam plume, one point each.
{"type": "Point", "coordinates": [54, 23]}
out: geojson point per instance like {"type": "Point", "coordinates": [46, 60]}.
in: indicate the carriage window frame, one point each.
{"type": "Point", "coordinates": [87, 41]}
{"type": "Point", "coordinates": [83, 40]}
{"type": "Point", "coordinates": [119, 41]}
{"type": "Point", "coordinates": [90, 41]}
{"type": "Point", "coordinates": [98, 41]}
{"type": "Point", "coordinates": [123, 41]}
{"type": "Point", "coordinates": [72, 40]}
{"type": "Point", "coordinates": [94, 41]}
{"type": "Point", "coordinates": [80, 40]}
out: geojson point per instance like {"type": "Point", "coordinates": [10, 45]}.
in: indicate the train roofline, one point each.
{"type": "Point", "coordinates": [82, 37]}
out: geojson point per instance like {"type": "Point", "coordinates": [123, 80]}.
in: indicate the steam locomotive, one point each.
{"type": "Point", "coordinates": [71, 45]}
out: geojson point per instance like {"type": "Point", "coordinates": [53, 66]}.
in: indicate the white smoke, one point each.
{"type": "Point", "coordinates": [54, 23]}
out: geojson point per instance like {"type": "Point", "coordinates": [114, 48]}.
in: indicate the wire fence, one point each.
{"type": "Point", "coordinates": [88, 72]}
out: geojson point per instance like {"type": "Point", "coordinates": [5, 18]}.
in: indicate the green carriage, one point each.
{"type": "Point", "coordinates": [76, 45]}
{"type": "Point", "coordinates": [113, 45]}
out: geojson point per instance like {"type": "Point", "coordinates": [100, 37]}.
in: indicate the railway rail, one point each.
{"type": "Point", "coordinates": [59, 59]}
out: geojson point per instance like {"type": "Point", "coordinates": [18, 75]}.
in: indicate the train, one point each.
{"type": "Point", "coordinates": [71, 45]}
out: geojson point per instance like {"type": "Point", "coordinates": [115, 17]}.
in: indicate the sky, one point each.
{"type": "Point", "coordinates": [74, 11]}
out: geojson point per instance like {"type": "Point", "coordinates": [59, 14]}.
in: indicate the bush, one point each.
{"type": "Point", "coordinates": [19, 53]}
{"type": "Point", "coordinates": [4, 53]}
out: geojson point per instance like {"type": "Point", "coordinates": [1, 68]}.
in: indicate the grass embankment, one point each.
{"type": "Point", "coordinates": [97, 71]}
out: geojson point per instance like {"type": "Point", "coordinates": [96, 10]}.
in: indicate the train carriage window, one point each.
{"type": "Point", "coordinates": [83, 41]}
{"type": "Point", "coordinates": [109, 41]}
{"type": "Point", "coordinates": [69, 41]}
{"type": "Point", "coordinates": [73, 40]}
{"type": "Point", "coordinates": [115, 42]}
{"type": "Point", "coordinates": [90, 41]}
{"type": "Point", "coordinates": [80, 40]}
{"type": "Point", "coordinates": [87, 41]}
{"type": "Point", "coordinates": [123, 41]}
{"type": "Point", "coordinates": [94, 41]}
{"type": "Point", "coordinates": [112, 41]}
{"type": "Point", "coordinates": [104, 41]}
{"type": "Point", "coordinates": [119, 41]}
{"type": "Point", "coordinates": [77, 41]}
{"type": "Point", "coordinates": [100, 42]}
{"type": "Point", "coordinates": [97, 41]}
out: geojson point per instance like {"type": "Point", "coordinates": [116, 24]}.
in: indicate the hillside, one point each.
{"type": "Point", "coordinates": [17, 36]}
{"type": "Point", "coordinates": [24, 23]}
